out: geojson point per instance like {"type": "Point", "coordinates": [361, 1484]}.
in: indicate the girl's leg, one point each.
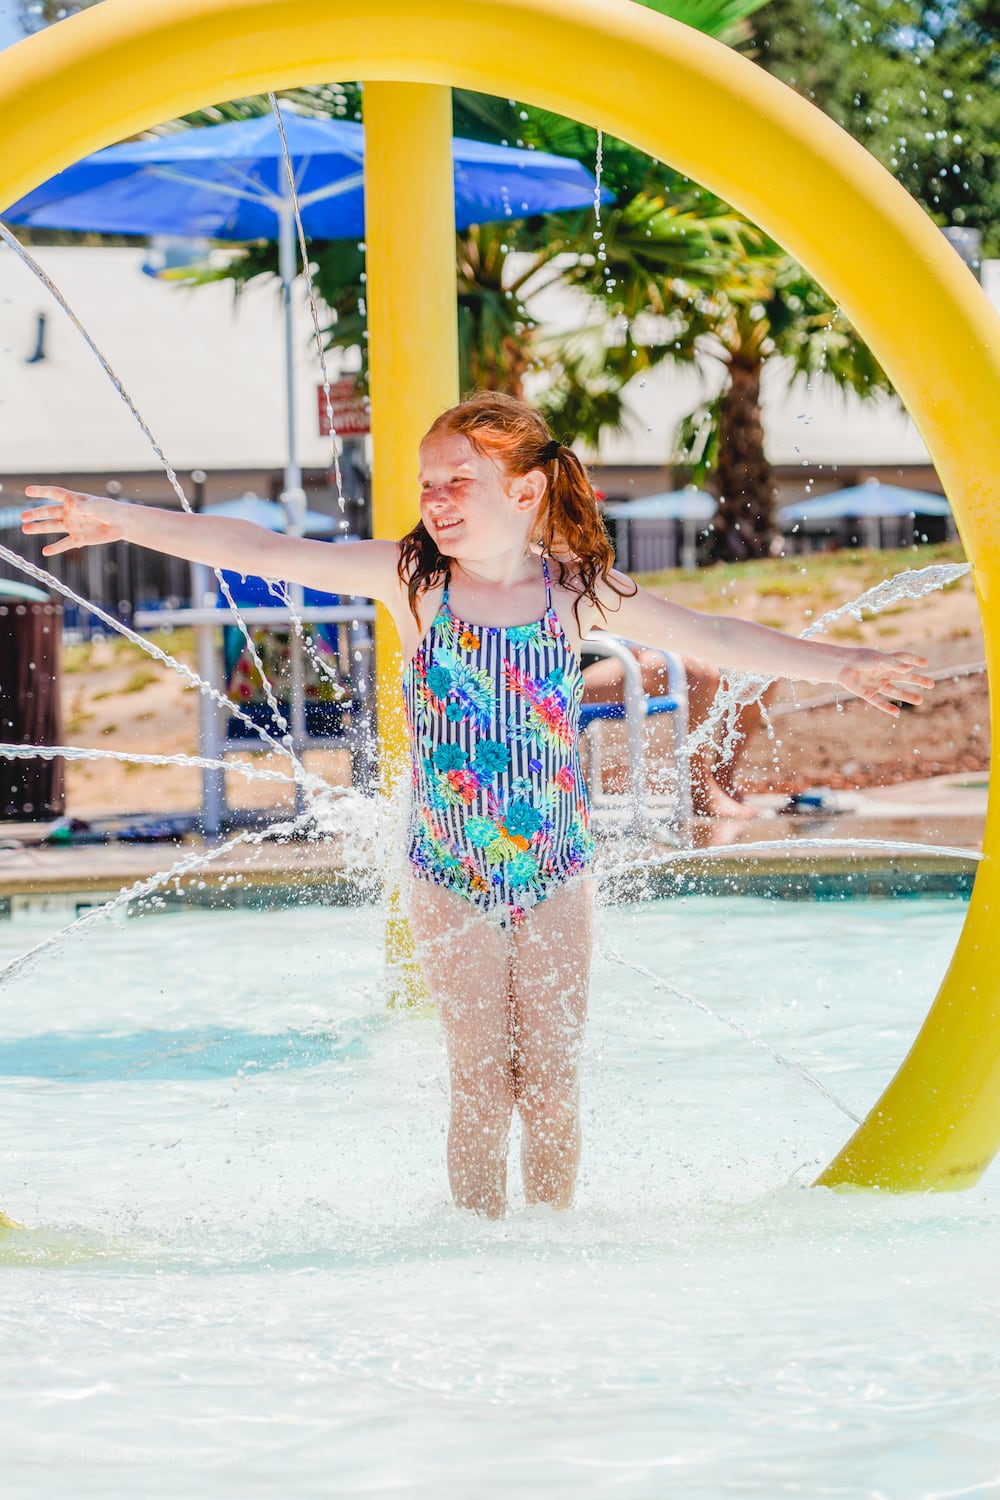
{"type": "Point", "coordinates": [551, 978]}
{"type": "Point", "coordinates": [466, 962]}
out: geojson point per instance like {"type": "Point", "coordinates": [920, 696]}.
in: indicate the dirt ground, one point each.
{"type": "Point", "coordinates": [117, 698]}
{"type": "Point", "coordinates": [854, 746]}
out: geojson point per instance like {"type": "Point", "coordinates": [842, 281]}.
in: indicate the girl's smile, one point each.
{"type": "Point", "coordinates": [464, 502]}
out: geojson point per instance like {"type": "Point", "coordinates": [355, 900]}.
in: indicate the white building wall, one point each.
{"type": "Point", "coordinates": [207, 373]}
{"type": "Point", "coordinates": [205, 370]}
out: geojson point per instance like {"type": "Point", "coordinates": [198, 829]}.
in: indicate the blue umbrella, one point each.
{"type": "Point", "coordinates": [270, 515]}
{"type": "Point", "coordinates": [691, 507]}
{"type": "Point", "coordinates": [229, 182]}
{"type": "Point", "coordinates": [688, 504]}
{"type": "Point", "coordinates": [871, 499]}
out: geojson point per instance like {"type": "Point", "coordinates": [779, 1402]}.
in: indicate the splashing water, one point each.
{"type": "Point", "coordinates": [740, 690]}
{"type": "Point", "coordinates": [167, 467]}
{"type": "Point", "coordinates": [365, 829]}
{"type": "Point", "coordinates": [913, 583]}
{"type": "Point", "coordinates": [349, 815]}
{"type": "Point", "coordinates": [633, 865]}
{"type": "Point", "coordinates": [598, 173]}
{"type": "Point", "coordinates": [137, 758]}
{"type": "Point", "coordinates": [41, 575]}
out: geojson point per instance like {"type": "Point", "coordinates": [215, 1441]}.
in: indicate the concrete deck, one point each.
{"type": "Point", "coordinates": [946, 812]}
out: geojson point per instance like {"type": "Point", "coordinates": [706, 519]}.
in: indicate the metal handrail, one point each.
{"type": "Point", "coordinates": [206, 621]}
{"type": "Point", "coordinates": [636, 704]}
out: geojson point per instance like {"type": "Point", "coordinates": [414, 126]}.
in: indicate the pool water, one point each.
{"type": "Point", "coordinates": [242, 1275]}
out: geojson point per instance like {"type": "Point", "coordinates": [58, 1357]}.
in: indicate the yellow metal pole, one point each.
{"type": "Point", "coordinates": [413, 370]}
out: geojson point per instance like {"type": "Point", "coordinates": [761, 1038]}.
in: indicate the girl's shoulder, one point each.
{"type": "Point", "coordinates": [595, 595]}
{"type": "Point", "coordinates": [582, 606]}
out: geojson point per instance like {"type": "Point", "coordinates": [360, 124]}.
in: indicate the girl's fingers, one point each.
{"type": "Point", "coordinates": [43, 525]}
{"type": "Point", "coordinates": [875, 700]}
{"type": "Point", "coordinates": [47, 491]}
{"type": "Point", "coordinates": [913, 679]}
{"type": "Point", "coordinates": [44, 512]}
{"type": "Point", "coordinates": [904, 695]}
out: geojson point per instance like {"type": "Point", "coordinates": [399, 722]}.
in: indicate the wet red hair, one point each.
{"type": "Point", "coordinates": [569, 531]}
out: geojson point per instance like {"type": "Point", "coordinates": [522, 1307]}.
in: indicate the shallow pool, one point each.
{"type": "Point", "coordinates": [243, 1277]}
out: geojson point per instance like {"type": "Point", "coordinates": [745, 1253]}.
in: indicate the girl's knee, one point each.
{"type": "Point", "coordinates": [547, 1095]}
{"type": "Point", "coordinates": [484, 1089]}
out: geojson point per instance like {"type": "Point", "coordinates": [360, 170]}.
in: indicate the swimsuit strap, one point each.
{"type": "Point", "coordinates": [548, 585]}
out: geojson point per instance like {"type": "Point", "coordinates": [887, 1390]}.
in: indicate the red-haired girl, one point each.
{"type": "Point", "coordinates": [492, 591]}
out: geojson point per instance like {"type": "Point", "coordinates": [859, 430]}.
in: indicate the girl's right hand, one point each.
{"type": "Point", "coordinates": [87, 520]}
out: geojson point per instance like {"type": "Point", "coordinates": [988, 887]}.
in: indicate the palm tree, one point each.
{"type": "Point", "coordinates": [662, 251]}
{"type": "Point", "coordinates": [765, 308]}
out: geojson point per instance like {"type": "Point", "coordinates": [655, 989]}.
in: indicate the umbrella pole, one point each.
{"type": "Point", "coordinates": [293, 495]}
{"type": "Point", "coordinates": [288, 270]}
{"type": "Point", "coordinates": [413, 364]}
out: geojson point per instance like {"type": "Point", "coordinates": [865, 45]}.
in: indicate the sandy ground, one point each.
{"type": "Point", "coordinates": [854, 746]}
{"type": "Point", "coordinates": [116, 698]}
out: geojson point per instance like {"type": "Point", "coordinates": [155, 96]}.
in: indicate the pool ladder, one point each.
{"type": "Point", "coordinates": [640, 815]}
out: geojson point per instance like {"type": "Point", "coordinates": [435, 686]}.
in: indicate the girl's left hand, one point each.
{"type": "Point", "coordinates": [884, 679]}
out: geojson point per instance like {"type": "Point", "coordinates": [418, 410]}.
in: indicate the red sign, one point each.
{"type": "Point", "coordinates": [350, 410]}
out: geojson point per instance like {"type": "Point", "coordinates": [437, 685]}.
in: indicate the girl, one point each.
{"type": "Point", "coordinates": [492, 591]}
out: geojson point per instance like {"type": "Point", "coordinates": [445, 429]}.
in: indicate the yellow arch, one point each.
{"type": "Point", "coordinates": [121, 67]}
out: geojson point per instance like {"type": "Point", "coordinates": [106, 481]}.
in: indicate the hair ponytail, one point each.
{"type": "Point", "coordinates": [570, 530]}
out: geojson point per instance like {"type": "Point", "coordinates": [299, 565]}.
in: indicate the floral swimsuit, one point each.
{"type": "Point", "coordinates": [499, 810]}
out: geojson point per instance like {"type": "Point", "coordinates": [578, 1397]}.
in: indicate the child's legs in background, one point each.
{"type": "Point", "coordinates": [551, 981]}
{"type": "Point", "coordinates": [466, 960]}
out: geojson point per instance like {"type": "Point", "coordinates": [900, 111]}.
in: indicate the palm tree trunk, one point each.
{"type": "Point", "coordinates": [498, 369]}
{"type": "Point", "coordinates": [744, 525]}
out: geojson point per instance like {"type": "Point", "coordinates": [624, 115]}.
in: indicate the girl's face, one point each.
{"type": "Point", "coordinates": [467, 503]}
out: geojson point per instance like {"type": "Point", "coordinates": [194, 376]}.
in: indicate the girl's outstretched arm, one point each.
{"type": "Point", "coordinates": [881, 678]}
{"type": "Point", "coordinates": [367, 569]}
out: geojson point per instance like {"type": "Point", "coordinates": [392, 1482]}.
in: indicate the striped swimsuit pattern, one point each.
{"type": "Point", "coordinates": [499, 811]}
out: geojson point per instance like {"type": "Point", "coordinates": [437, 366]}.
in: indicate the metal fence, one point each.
{"type": "Point", "coordinates": [121, 578]}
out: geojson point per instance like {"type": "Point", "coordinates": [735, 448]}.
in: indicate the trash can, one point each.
{"type": "Point", "coordinates": [31, 789]}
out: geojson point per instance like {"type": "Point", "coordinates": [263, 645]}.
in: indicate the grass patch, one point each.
{"type": "Point", "coordinates": [787, 588]}
{"type": "Point", "coordinates": [819, 574]}
{"type": "Point", "coordinates": [179, 643]}
{"type": "Point", "coordinates": [86, 656]}
{"type": "Point", "coordinates": [847, 631]}
{"type": "Point", "coordinates": [77, 721]}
